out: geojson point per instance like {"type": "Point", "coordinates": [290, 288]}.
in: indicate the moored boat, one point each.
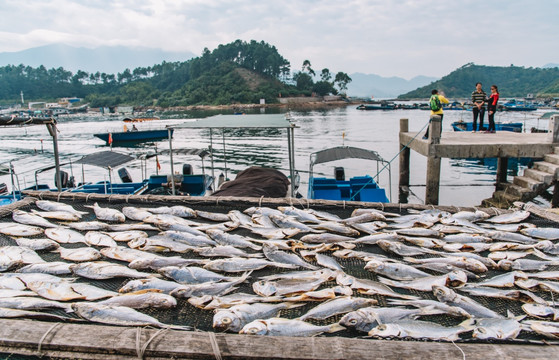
{"type": "Point", "coordinates": [468, 126]}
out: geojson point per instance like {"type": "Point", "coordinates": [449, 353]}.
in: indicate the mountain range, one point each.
{"type": "Point", "coordinates": [105, 59]}
{"type": "Point", "coordinates": [375, 86]}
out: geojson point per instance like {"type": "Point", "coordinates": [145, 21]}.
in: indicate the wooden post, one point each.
{"type": "Point", "coordinates": [554, 129]}
{"type": "Point", "coordinates": [433, 162]}
{"type": "Point", "coordinates": [404, 157]}
{"type": "Point", "coordinates": [555, 198]}
{"type": "Point", "coordinates": [502, 170]}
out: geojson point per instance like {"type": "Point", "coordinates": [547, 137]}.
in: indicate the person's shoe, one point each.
{"type": "Point", "coordinates": [492, 131]}
{"type": "Point", "coordinates": [473, 131]}
{"type": "Point", "coordinates": [424, 137]}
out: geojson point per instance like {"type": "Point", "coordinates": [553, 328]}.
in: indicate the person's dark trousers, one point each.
{"type": "Point", "coordinates": [428, 126]}
{"type": "Point", "coordinates": [491, 118]}
{"type": "Point", "coordinates": [481, 113]}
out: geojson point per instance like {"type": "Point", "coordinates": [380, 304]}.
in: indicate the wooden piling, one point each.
{"type": "Point", "coordinates": [433, 162]}
{"type": "Point", "coordinates": [502, 169]}
{"type": "Point", "coordinates": [404, 157]}
{"type": "Point", "coordinates": [554, 129]}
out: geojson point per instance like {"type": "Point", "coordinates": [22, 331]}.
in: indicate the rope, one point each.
{"type": "Point", "coordinates": [45, 336]}
{"type": "Point", "coordinates": [390, 162]}
{"type": "Point", "coordinates": [260, 201]}
{"type": "Point", "coordinates": [215, 346]}
{"type": "Point", "coordinates": [59, 195]}
{"type": "Point", "coordinates": [140, 351]}
{"type": "Point", "coordinates": [462, 351]}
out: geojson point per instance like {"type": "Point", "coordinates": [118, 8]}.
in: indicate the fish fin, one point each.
{"type": "Point", "coordinates": [291, 305]}
{"type": "Point", "coordinates": [336, 327]}
{"type": "Point", "coordinates": [410, 259]}
{"type": "Point", "coordinates": [468, 324]}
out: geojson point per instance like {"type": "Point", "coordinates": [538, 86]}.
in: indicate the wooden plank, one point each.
{"type": "Point", "coordinates": [111, 342]}
{"type": "Point", "coordinates": [404, 157]}
{"type": "Point", "coordinates": [241, 202]}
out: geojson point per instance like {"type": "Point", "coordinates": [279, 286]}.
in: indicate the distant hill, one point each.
{"type": "Point", "coordinates": [107, 59]}
{"type": "Point", "coordinates": [513, 81]}
{"type": "Point", "coordinates": [367, 85]}
{"type": "Point", "coordinates": [550, 65]}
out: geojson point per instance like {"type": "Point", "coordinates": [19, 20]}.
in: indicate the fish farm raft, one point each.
{"type": "Point", "coordinates": [155, 277]}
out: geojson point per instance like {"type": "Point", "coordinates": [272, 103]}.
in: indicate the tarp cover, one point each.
{"type": "Point", "coordinates": [105, 159]}
{"type": "Point", "coordinates": [4, 169]}
{"type": "Point", "coordinates": [11, 120]}
{"type": "Point", "coordinates": [200, 152]}
{"type": "Point", "coordinates": [256, 182]}
{"type": "Point", "coordinates": [238, 121]}
{"type": "Point", "coordinates": [344, 152]}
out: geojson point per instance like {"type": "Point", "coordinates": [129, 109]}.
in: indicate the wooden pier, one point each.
{"type": "Point", "coordinates": [501, 145]}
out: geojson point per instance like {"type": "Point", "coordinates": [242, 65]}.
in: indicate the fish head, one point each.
{"type": "Point", "coordinates": [385, 330]}
{"type": "Point", "coordinates": [137, 243]}
{"type": "Point", "coordinates": [544, 245]}
{"type": "Point", "coordinates": [373, 265]}
{"type": "Point", "coordinates": [457, 278]}
{"type": "Point", "coordinates": [505, 265]}
{"type": "Point", "coordinates": [384, 244]}
{"type": "Point", "coordinates": [443, 294]}
{"type": "Point", "coordinates": [344, 279]}
{"type": "Point", "coordinates": [182, 292]}
{"type": "Point", "coordinates": [130, 286]}
{"type": "Point", "coordinates": [226, 320]}
{"type": "Point", "coordinates": [166, 302]}
{"type": "Point", "coordinates": [257, 327]}
{"type": "Point", "coordinates": [139, 264]}
{"type": "Point", "coordinates": [354, 319]}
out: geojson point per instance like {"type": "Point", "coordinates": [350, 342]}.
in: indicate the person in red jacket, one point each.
{"type": "Point", "coordinates": [492, 107]}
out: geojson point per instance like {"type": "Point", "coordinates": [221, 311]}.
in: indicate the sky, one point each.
{"type": "Point", "coordinates": [387, 37]}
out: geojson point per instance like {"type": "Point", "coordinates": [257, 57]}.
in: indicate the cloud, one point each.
{"type": "Point", "coordinates": [390, 38]}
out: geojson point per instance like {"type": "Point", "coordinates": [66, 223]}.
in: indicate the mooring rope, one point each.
{"type": "Point", "coordinates": [215, 346]}
{"type": "Point", "coordinates": [140, 351]}
{"type": "Point", "coordinates": [51, 329]}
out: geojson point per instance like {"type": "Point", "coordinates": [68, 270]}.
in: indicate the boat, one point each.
{"type": "Point", "coordinates": [116, 138]}
{"type": "Point", "coordinates": [383, 105]}
{"type": "Point", "coordinates": [468, 126]}
{"type": "Point", "coordinates": [513, 105]}
{"type": "Point", "coordinates": [357, 188]}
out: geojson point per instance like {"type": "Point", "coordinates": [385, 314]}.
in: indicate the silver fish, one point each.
{"type": "Point", "coordinates": [126, 235]}
{"type": "Point", "coordinates": [374, 238]}
{"type": "Point", "coordinates": [525, 265]}
{"type": "Point", "coordinates": [424, 242]}
{"type": "Point", "coordinates": [128, 227]}
{"type": "Point", "coordinates": [178, 210]}
{"type": "Point", "coordinates": [52, 268]}
{"type": "Point", "coordinates": [118, 315]}
{"type": "Point", "coordinates": [213, 216]}
{"type": "Point", "coordinates": [369, 287]}
{"type": "Point", "coordinates": [283, 287]}
{"type": "Point", "coordinates": [213, 302]}
{"type": "Point", "coordinates": [503, 280]}
{"type": "Point", "coordinates": [16, 313]}
{"type": "Point", "coordinates": [26, 218]}
{"type": "Point", "coordinates": [419, 232]}
{"type": "Point", "coordinates": [313, 274]}
{"type": "Point", "coordinates": [289, 222]}
{"type": "Point", "coordinates": [64, 236]}
{"type": "Point", "coordinates": [450, 297]}
{"type": "Point", "coordinates": [458, 261]}
{"type": "Point", "coordinates": [472, 216]}
{"type": "Point", "coordinates": [262, 211]}
{"type": "Point", "coordinates": [56, 206]}
{"type": "Point", "coordinates": [336, 227]}
{"type": "Point", "coordinates": [396, 271]}
{"type": "Point", "coordinates": [225, 251]}
{"type": "Point", "coordinates": [8, 293]}
{"type": "Point", "coordinates": [37, 244]}
{"type": "Point", "coordinates": [95, 238]}
{"type": "Point", "coordinates": [370, 227]}
{"type": "Point", "coordinates": [107, 214]}
{"type": "Point", "coordinates": [275, 233]}
{"type": "Point", "coordinates": [467, 238]}
{"type": "Point", "coordinates": [454, 279]}
{"type": "Point", "coordinates": [164, 286]}
{"type": "Point", "coordinates": [365, 217]}
{"type": "Point", "coordinates": [418, 329]}
{"type": "Point", "coordinates": [101, 270]}
{"type": "Point", "coordinates": [361, 211]}
{"type": "Point", "coordinates": [287, 327]}
{"type": "Point", "coordinates": [462, 247]}
{"type": "Point", "coordinates": [243, 264]}
{"type": "Point", "coordinates": [325, 238]}
{"type": "Point", "coordinates": [209, 288]}
{"type": "Point", "coordinates": [299, 214]}
{"type": "Point", "coordinates": [32, 303]}
{"type": "Point", "coordinates": [241, 219]}
{"type": "Point", "coordinates": [511, 237]}
{"type": "Point", "coordinates": [79, 254]}
{"type": "Point", "coordinates": [133, 213]}
{"type": "Point", "coordinates": [236, 317]}
{"type": "Point", "coordinates": [541, 311]}
{"type": "Point", "coordinates": [192, 275]}
{"type": "Point", "coordinates": [321, 259]}
{"type": "Point", "coordinates": [15, 229]}
{"type": "Point", "coordinates": [545, 328]}
{"type": "Point", "coordinates": [11, 256]}
{"type": "Point", "coordinates": [401, 249]}
{"type": "Point", "coordinates": [546, 233]}
{"type": "Point", "coordinates": [91, 293]}
{"type": "Point", "coordinates": [431, 307]}
{"type": "Point", "coordinates": [514, 217]}
{"type": "Point", "coordinates": [57, 215]}
{"type": "Point", "coordinates": [517, 295]}
{"type": "Point", "coordinates": [126, 254]}
{"type": "Point", "coordinates": [337, 306]}
{"type": "Point", "coordinates": [272, 253]}
{"type": "Point", "coordinates": [159, 243]}
{"type": "Point", "coordinates": [189, 238]}
{"type": "Point", "coordinates": [367, 318]}
{"type": "Point", "coordinates": [142, 300]}
{"type": "Point", "coordinates": [224, 238]}
{"type": "Point", "coordinates": [89, 226]}
{"type": "Point", "coordinates": [59, 291]}
{"type": "Point", "coordinates": [155, 263]}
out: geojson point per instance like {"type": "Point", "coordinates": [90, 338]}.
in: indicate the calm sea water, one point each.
{"type": "Point", "coordinates": [463, 182]}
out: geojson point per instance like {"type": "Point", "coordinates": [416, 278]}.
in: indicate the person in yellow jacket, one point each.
{"type": "Point", "coordinates": [436, 103]}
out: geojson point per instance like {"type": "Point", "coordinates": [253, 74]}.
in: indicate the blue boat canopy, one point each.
{"type": "Point", "coordinates": [344, 152]}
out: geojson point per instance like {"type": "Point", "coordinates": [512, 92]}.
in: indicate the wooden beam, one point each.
{"type": "Point", "coordinates": [433, 162]}
{"type": "Point", "coordinates": [113, 342]}
{"type": "Point", "coordinates": [502, 170]}
{"type": "Point", "coordinates": [404, 157]}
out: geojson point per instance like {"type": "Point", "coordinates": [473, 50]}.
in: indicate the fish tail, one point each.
{"type": "Point", "coordinates": [335, 328]}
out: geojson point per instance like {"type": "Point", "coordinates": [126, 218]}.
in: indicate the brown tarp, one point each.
{"type": "Point", "coordinates": [256, 182]}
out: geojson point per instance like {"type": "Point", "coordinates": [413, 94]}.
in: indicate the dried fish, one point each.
{"type": "Point", "coordinates": [236, 317]}
{"type": "Point", "coordinates": [450, 297]}
{"type": "Point", "coordinates": [287, 327]}
{"type": "Point", "coordinates": [26, 218]}
{"type": "Point", "coordinates": [418, 329]}
{"type": "Point", "coordinates": [107, 214]}
{"type": "Point", "coordinates": [337, 306]}
{"type": "Point", "coordinates": [396, 271]}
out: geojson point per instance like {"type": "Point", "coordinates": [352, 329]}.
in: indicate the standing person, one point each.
{"type": "Point", "coordinates": [478, 99]}
{"type": "Point", "coordinates": [492, 107]}
{"type": "Point", "coordinates": [435, 103]}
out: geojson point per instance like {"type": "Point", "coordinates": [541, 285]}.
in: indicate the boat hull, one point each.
{"type": "Point", "coordinates": [134, 136]}
{"type": "Point", "coordinates": [468, 126]}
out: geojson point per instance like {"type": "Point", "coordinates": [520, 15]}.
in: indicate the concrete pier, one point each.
{"type": "Point", "coordinates": [501, 145]}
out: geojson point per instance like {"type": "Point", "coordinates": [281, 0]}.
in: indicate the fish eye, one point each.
{"type": "Point", "coordinates": [252, 330]}
{"type": "Point", "coordinates": [482, 330]}
{"type": "Point", "coordinates": [226, 320]}
{"type": "Point", "coordinates": [381, 327]}
{"type": "Point", "coordinates": [352, 321]}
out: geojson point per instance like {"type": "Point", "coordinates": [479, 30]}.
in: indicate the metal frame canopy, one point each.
{"type": "Point", "coordinates": [256, 121]}
{"type": "Point", "coordinates": [50, 123]}
{"type": "Point", "coordinates": [349, 152]}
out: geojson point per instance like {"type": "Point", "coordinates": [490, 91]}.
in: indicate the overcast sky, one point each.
{"type": "Point", "coordinates": [388, 37]}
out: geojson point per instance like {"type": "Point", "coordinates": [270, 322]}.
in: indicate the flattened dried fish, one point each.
{"type": "Point", "coordinates": [236, 317]}
{"type": "Point", "coordinates": [79, 254]}
{"type": "Point", "coordinates": [141, 300]}
{"type": "Point", "coordinates": [418, 329]}
{"type": "Point", "coordinates": [450, 297]}
{"type": "Point", "coordinates": [101, 270]}
{"type": "Point", "coordinates": [454, 279]}
{"type": "Point", "coordinates": [107, 214]}
{"type": "Point", "coordinates": [337, 306]}
{"type": "Point", "coordinates": [64, 236]}
{"type": "Point", "coordinates": [15, 229]}
{"type": "Point", "coordinates": [510, 218]}
{"type": "Point", "coordinates": [272, 253]}
{"type": "Point", "coordinates": [287, 327]}
{"type": "Point", "coordinates": [57, 206]}
{"type": "Point", "coordinates": [37, 244]}
{"type": "Point", "coordinates": [26, 218]}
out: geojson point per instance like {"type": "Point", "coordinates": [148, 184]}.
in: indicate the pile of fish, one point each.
{"type": "Point", "coordinates": [419, 268]}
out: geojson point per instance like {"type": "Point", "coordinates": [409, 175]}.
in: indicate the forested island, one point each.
{"type": "Point", "coordinates": [236, 73]}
